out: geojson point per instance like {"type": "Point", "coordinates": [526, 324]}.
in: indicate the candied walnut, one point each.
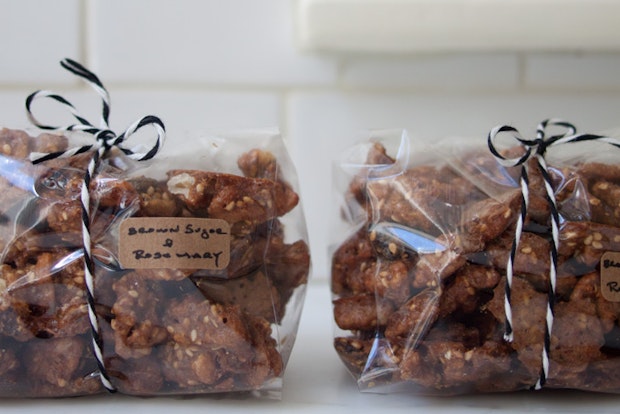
{"type": "Point", "coordinates": [601, 376]}
{"type": "Point", "coordinates": [113, 193]}
{"type": "Point", "coordinates": [608, 192]}
{"type": "Point", "coordinates": [532, 255]}
{"type": "Point", "coordinates": [538, 206]}
{"type": "Point", "coordinates": [388, 280]}
{"type": "Point", "coordinates": [227, 344]}
{"type": "Point", "coordinates": [417, 368]}
{"type": "Point", "coordinates": [432, 269]}
{"type": "Point", "coordinates": [287, 264]}
{"type": "Point", "coordinates": [254, 293]}
{"type": "Point", "coordinates": [600, 212]}
{"type": "Point", "coordinates": [155, 199]}
{"type": "Point", "coordinates": [571, 237]}
{"type": "Point", "coordinates": [414, 318]}
{"type": "Point", "coordinates": [220, 326]}
{"type": "Point", "coordinates": [362, 312]}
{"type": "Point", "coordinates": [377, 155]}
{"type": "Point", "coordinates": [452, 368]}
{"type": "Point", "coordinates": [137, 324]}
{"type": "Point", "coordinates": [45, 295]}
{"type": "Point", "coordinates": [267, 362]}
{"type": "Point", "coordinates": [65, 217]}
{"type": "Point", "coordinates": [247, 253]}
{"type": "Point", "coordinates": [230, 197]}
{"type": "Point", "coordinates": [487, 219]}
{"type": "Point", "coordinates": [587, 291]}
{"type": "Point", "coordinates": [349, 262]}
{"type": "Point", "coordinates": [392, 241]}
{"type": "Point", "coordinates": [464, 295]}
{"type": "Point", "coordinates": [584, 243]}
{"type": "Point", "coordinates": [190, 365]}
{"type": "Point", "coordinates": [31, 292]}
{"type": "Point", "coordinates": [11, 325]}
{"type": "Point", "coordinates": [528, 321]}
{"type": "Point", "coordinates": [259, 164]}
{"type": "Point", "coordinates": [355, 352]}
{"type": "Point", "coordinates": [577, 235]}
{"type": "Point", "coordinates": [49, 143]}
{"type": "Point", "coordinates": [451, 363]}
{"type": "Point", "coordinates": [596, 171]}
{"type": "Point", "coordinates": [61, 366]}
{"type": "Point", "coordinates": [14, 143]}
{"type": "Point", "coordinates": [409, 199]}
{"type": "Point", "coordinates": [490, 363]}
{"type": "Point", "coordinates": [59, 192]}
{"type": "Point", "coordinates": [448, 330]}
{"type": "Point", "coordinates": [577, 334]}
{"type": "Point", "coordinates": [140, 376]}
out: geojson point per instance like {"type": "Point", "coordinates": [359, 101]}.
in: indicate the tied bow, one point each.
{"type": "Point", "coordinates": [105, 139]}
{"type": "Point", "coordinates": [536, 149]}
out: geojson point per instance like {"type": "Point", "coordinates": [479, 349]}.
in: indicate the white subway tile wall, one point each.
{"type": "Point", "coordinates": [212, 65]}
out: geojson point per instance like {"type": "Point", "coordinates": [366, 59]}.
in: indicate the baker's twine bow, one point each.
{"type": "Point", "coordinates": [105, 140]}
{"type": "Point", "coordinates": [536, 148]}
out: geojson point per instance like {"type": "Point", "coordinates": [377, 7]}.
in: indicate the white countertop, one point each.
{"type": "Point", "coordinates": [316, 382]}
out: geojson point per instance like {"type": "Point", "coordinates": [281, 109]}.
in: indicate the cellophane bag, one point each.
{"type": "Point", "coordinates": [201, 261]}
{"type": "Point", "coordinates": [421, 262]}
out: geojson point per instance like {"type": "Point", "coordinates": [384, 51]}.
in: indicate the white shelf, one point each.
{"type": "Point", "coordinates": [405, 26]}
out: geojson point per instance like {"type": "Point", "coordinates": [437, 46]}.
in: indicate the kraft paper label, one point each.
{"type": "Point", "coordinates": [174, 242]}
{"type": "Point", "coordinates": [610, 276]}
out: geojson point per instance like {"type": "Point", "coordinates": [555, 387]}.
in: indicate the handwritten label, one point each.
{"type": "Point", "coordinates": [610, 276]}
{"type": "Point", "coordinates": [174, 243]}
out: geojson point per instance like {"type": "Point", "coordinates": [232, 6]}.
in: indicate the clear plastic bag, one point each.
{"type": "Point", "coordinates": [420, 281]}
{"type": "Point", "coordinates": [187, 316]}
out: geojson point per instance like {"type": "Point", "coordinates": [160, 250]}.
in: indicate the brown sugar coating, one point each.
{"type": "Point", "coordinates": [230, 197]}
{"type": "Point", "coordinates": [137, 321]}
{"type": "Point", "coordinates": [164, 330]}
{"type": "Point", "coordinates": [361, 312]}
{"type": "Point", "coordinates": [420, 286]}
{"type": "Point", "coordinates": [61, 367]}
{"type": "Point", "coordinates": [155, 199]}
{"type": "Point", "coordinates": [255, 292]}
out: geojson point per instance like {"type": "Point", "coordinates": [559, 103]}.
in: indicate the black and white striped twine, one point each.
{"type": "Point", "coordinates": [537, 148]}
{"type": "Point", "coordinates": [105, 140]}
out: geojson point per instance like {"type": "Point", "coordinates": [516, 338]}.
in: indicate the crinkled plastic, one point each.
{"type": "Point", "coordinates": [177, 329]}
{"type": "Point", "coordinates": [419, 268]}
